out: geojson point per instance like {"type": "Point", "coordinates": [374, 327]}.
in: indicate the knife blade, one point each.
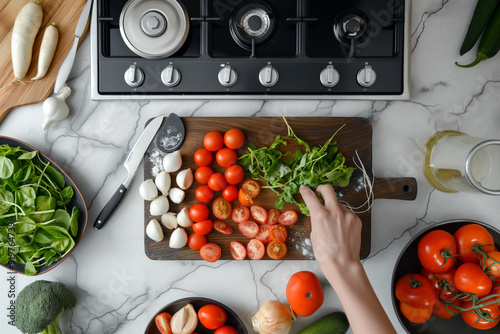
{"type": "Point", "coordinates": [131, 164]}
{"type": "Point", "coordinates": [67, 64]}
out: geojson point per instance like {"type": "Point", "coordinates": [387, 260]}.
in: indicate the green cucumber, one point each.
{"type": "Point", "coordinates": [333, 323]}
{"type": "Point", "coordinates": [480, 18]}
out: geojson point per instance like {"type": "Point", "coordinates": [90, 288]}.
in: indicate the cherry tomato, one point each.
{"type": "Point", "coordinates": [221, 208]}
{"type": "Point", "coordinates": [276, 250]}
{"type": "Point", "coordinates": [230, 193]}
{"type": "Point", "coordinates": [416, 291]}
{"type": "Point", "coordinates": [244, 198]}
{"type": "Point", "coordinates": [199, 212]}
{"type": "Point", "coordinates": [272, 216]}
{"type": "Point", "coordinates": [226, 157]}
{"type": "Point", "coordinates": [210, 252]}
{"type": "Point", "coordinates": [415, 315]}
{"type": "Point", "coordinates": [492, 264]}
{"type": "Point", "coordinates": [263, 234]}
{"type": "Point", "coordinates": [204, 194]}
{"type": "Point", "coordinates": [469, 235]}
{"type": "Point", "coordinates": [472, 319]}
{"type": "Point", "coordinates": [202, 174]}
{"type": "Point", "coordinates": [240, 213]}
{"type": "Point", "coordinates": [203, 157]}
{"type": "Point", "coordinates": [222, 227]}
{"type": "Point", "coordinates": [162, 322]}
{"type": "Point", "coordinates": [288, 218]}
{"type": "Point", "coordinates": [258, 213]}
{"type": "Point", "coordinates": [248, 228]}
{"type": "Point", "coordinates": [195, 241]}
{"type": "Point", "coordinates": [469, 277]}
{"type": "Point", "coordinates": [212, 316]}
{"type": "Point", "coordinates": [251, 188]}
{"type": "Point", "coordinates": [438, 280]}
{"type": "Point", "coordinates": [226, 329]}
{"type": "Point", "coordinates": [436, 250]}
{"type": "Point", "coordinates": [304, 293]}
{"type": "Point", "coordinates": [278, 233]}
{"type": "Point", "coordinates": [234, 174]}
{"type": "Point", "coordinates": [255, 249]}
{"type": "Point", "coordinates": [204, 227]}
{"type": "Point", "coordinates": [213, 141]}
{"type": "Point", "coordinates": [217, 182]}
{"type": "Point", "coordinates": [238, 251]}
{"type": "Point", "coordinates": [234, 139]}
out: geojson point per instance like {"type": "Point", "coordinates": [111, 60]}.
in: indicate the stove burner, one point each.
{"type": "Point", "coordinates": [253, 22]}
{"type": "Point", "coordinates": [350, 26]}
{"type": "Point", "coordinates": [153, 24]}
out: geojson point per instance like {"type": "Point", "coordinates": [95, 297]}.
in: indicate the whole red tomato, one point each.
{"type": "Point", "coordinates": [234, 138]}
{"type": "Point", "coordinates": [469, 277]}
{"type": "Point", "coordinates": [492, 263]}
{"type": "Point", "coordinates": [234, 174]}
{"type": "Point", "coordinates": [304, 293]}
{"type": "Point", "coordinates": [212, 316]}
{"type": "Point", "coordinates": [444, 283]}
{"type": "Point", "coordinates": [204, 194]}
{"type": "Point", "coordinates": [415, 315]}
{"type": "Point", "coordinates": [485, 317]}
{"type": "Point", "coordinates": [203, 157]}
{"type": "Point", "coordinates": [436, 250]}
{"type": "Point", "coordinates": [226, 157]}
{"type": "Point", "coordinates": [416, 291]}
{"type": "Point", "coordinates": [226, 329]}
{"type": "Point", "coordinates": [469, 235]}
{"type": "Point", "coordinates": [448, 310]}
{"type": "Point", "coordinates": [213, 141]}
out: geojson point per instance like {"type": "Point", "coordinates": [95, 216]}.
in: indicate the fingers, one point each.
{"type": "Point", "coordinates": [310, 198]}
{"type": "Point", "coordinates": [328, 194]}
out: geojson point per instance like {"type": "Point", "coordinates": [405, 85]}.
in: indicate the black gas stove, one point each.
{"type": "Point", "coordinates": [227, 49]}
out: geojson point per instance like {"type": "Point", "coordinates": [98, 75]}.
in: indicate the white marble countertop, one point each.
{"type": "Point", "coordinates": [119, 289]}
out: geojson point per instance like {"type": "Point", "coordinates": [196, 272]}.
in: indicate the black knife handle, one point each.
{"type": "Point", "coordinates": [110, 207]}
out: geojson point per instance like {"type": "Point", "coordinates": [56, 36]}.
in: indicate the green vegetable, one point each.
{"type": "Point", "coordinates": [285, 174]}
{"type": "Point", "coordinates": [490, 42]}
{"type": "Point", "coordinates": [39, 306]}
{"type": "Point", "coordinates": [36, 225]}
{"type": "Point", "coordinates": [480, 18]}
{"type": "Point", "coordinates": [333, 323]}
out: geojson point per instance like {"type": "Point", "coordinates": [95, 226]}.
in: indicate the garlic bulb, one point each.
{"type": "Point", "coordinates": [163, 182]}
{"type": "Point", "coordinates": [273, 317]}
{"type": "Point", "coordinates": [184, 178]}
{"type": "Point", "coordinates": [176, 195]}
{"type": "Point", "coordinates": [55, 108]}
{"type": "Point", "coordinates": [183, 218]}
{"type": "Point", "coordinates": [169, 220]}
{"type": "Point", "coordinates": [178, 239]}
{"type": "Point", "coordinates": [154, 231]}
{"type": "Point", "coordinates": [184, 321]}
{"type": "Point", "coordinates": [172, 162]}
{"type": "Point", "coordinates": [148, 190]}
{"type": "Point", "coordinates": [159, 206]}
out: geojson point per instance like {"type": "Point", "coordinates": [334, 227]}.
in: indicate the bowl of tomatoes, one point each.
{"type": "Point", "coordinates": [447, 279]}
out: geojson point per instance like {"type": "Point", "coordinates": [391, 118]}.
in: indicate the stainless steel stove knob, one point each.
{"type": "Point", "coordinates": [170, 76]}
{"type": "Point", "coordinates": [268, 76]}
{"type": "Point", "coordinates": [134, 76]}
{"type": "Point", "coordinates": [329, 77]}
{"type": "Point", "coordinates": [367, 76]}
{"type": "Point", "coordinates": [227, 76]}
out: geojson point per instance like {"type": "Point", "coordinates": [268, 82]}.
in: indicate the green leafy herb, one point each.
{"type": "Point", "coordinates": [285, 174]}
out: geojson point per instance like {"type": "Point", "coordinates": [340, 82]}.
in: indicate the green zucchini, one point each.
{"type": "Point", "coordinates": [480, 18]}
{"type": "Point", "coordinates": [490, 42]}
{"type": "Point", "coordinates": [333, 323]}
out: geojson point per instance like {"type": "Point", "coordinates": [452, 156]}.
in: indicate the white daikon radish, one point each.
{"type": "Point", "coordinates": [154, 231]}
{"type": "Point", "coordinates": [47, 50]}
{"type": "Point", "coordinates": [55, 108]}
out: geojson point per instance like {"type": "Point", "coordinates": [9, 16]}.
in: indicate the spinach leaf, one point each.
{"type": "Point", "coordinates": [6, 167]}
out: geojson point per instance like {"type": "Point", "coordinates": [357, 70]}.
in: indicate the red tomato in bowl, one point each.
{"type": "Point", "coordinates": [255, 249]}
{"type": "Point", "coordinates": [416, 291]}
{"type": "Point", "coordinates": [213, 141]}
{"type": "Point", "coordinates": [288, 218]}
{"type": "Point", "coordinates": [436, 250]}
{"type": "Point", "coordinates": [212, 316]}
{"type": "Point", "coordinates": [414, 314]}
{"type": "Point", "coordinates": [469, 235]}
{"type": "Point", "coordinates": [226, 157]}
{"type": "Point", "coordinates": [304, 293]}
{"type": "Point", "coordinates": [234, 138]}
{"type": "Point", "coordinates": [471, 278]}
{"type": "Point", "coordinates": [438, 281]}
{"type": "Point", "coordinates": [222, 208]}
{"type": "Point", "coordinates": [226, 329]}
{"type": "Point", "coordinates": [210, 252]}
{"type": "Point", "coordinates": [492, 264]}
{"type": "Point", "coordinates": [162, 322]}
{"type": "Point", "coordinates": [234, 174]}
{"type": "Point", "coordinates": [258, 213]}
{"type": "Point", "coordinates": [472, 319]}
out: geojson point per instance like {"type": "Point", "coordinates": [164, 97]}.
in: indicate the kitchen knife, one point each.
{"type": "Point", "coordinates": [67, 64]}
{"type": "Point", "coordinates": [131, 163]}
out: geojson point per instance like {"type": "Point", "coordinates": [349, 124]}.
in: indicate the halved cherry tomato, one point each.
{"type": "Point", "coordinates": [415, 315]}
{"type": "Point", "coordinates": [276, 250]}
{"type": "Point", "coordinates": [222, 208]}
{"type": "Point", "coordinates": [217, 182]}
{"type": "Point", "coordinates": [469, 277]}
{"type": "Point", "coordinates": [251, 187]}
{"type": "Point", "coordinates": [210, 252]}
{"type": "Point", "coordinates": [226, 157]}
{"type": "Point", "coordinates": [204, 227]}
{"type": "Point", "coordinates": [492, 264]}
{"type": "Point", "coordinates": [222, 227]}
{"type": "Point", "coordinates": [240, 213]}
{"type": "Point", "coordinates": [199, 212]}
{"type": "Point", "coordinates": [288, 218]}
{"type": "Point", "coordinates": [263, 234]}
{"type": "Point", "coordinates": [416, 291]}
{"type": "Point", "coordinates": [212, 316]}
{"type": "Point", "coordinates": [230, 193]}
{"type": "Point", "coordinates": [213, 141]}
{"type": "Point", "coordinates": [248, 228]}
{"type": "Point", "coordinates": [203, 157]}
{"type": "Point", "coordinates": [258, 213]}
{"type": "Point", "coordinates": [278, 233]}
{"type": "Point", "coordinates": [238, 251]}
{"type": "Point", "coordinates": [255, 249]}
{"type": "Point", "coordinates": [234, 174]}
{"type": "Point", "coordinates": [272, 216]}
{"type": "Point", "coordinates": [234, 139]}
{"type": "Point", "coordinates": [195, 241]}
{"type": "Point", "coordinates": [162, 322]}
{"type": "Point", "coordinates": [226, 329]}
{"type": "Point", "coordinates": [469, 235]}
{"type": "Point", "coordinates": [244, 198]}
{"type": "Point", "coordinates": [304, 293]}
{"type": "Point", "coordinates": [204, 194]}
{"type": "Point", "coordinates": [472, 319]}
{"type": "Point", "coordinates": [202, 174]}
{"type": "Point", "coordinates": [436, 250]}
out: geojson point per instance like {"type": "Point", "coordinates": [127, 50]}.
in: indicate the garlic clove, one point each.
{"type": "Point", "coordinates": [163, 182]}
{"type": "Point", "coordinates": [159, 206]}
{"type": "Point", "coordinates": [178, 239]}
{"type": "Point", "coordinates": [148, 190]}
{"type": "Point", "coordinates": [183, 218]}
{"type": "Point", "coordinates": [176, 195]}
{"type": "Point", "coordinates": [184, 321]}
{"type": "Point", "coordinates": [172, 162]}
{"type": "Point", "coordinates": [184, 178]}
{"type": "Point", "coordinates": [154, 231]}
{"type": "Point", "coordinates": [169, 220]}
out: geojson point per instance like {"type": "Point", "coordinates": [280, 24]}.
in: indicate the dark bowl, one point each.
{"type": "Point", "coordinates": [408, 263]}
{"type": "Point", "coordinates": [232, 318]}
{"type": "Point", "coordinates": [77, 201]}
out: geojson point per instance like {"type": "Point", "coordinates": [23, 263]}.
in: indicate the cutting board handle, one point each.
{"type": "Point", "coordinates": [404, 188]}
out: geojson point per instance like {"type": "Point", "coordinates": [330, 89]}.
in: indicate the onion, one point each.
{"type": "Point", "coordinates": [273, 317]}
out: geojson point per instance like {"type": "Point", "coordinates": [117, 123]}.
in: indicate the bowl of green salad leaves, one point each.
{"type": "Point", "coordinates": [43, 214]}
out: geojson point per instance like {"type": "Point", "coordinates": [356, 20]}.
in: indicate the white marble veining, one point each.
{"type": "Point", "coordinates": [119, 289]}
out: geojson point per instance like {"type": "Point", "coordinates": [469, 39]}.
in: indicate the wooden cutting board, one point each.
{"type": "Point", "coordinates": [356, 136]}
{"type": "Point", "coordinates": [65, 13]}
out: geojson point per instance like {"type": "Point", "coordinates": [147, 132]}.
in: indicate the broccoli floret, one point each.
{"type": "Point", "coordinates": [39, 306]}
